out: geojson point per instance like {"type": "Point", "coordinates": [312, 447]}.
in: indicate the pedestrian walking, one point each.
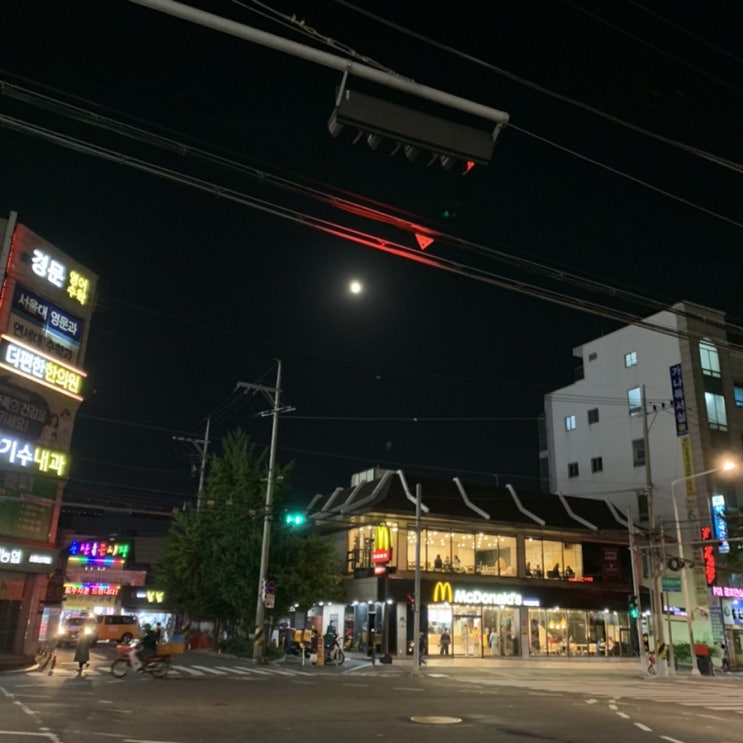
{"type": "Point", "coordinates": [422, 648]}
{"type": "Point", "coordinates": [444, 642]}
{"type": "Point", "coordinates": [725, 657]}
{"type": "Point", "coordinates": [494, 643]}
{"type": "Point", "coordinates": [82, 653]}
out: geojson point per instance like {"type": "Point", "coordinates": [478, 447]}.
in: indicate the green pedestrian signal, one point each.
{"type": "Point", "coordinates": [634, 609]}
{"type": "Point", "coordinates": [294, 518]}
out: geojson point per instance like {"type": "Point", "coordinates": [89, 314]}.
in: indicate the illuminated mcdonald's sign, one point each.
{"type": "Point", "coordinates": [382, 552]}
{"type": "Point", "coordinates": [442, 592]}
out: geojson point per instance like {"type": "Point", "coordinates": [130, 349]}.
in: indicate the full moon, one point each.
{"type": "Point", "coordinates": [355, 287]}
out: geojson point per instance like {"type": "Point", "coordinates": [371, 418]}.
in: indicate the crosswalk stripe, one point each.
{"type": "Point", "coordinates": [208, 669]}
{"type": "Point", "coordinates": [230, 669]}
{"type": "Point", "coordinates": [187, 669]}
{"type": "Point", "coordinates": [259, 671]}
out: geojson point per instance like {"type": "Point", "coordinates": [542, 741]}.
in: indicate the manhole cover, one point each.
{"type": "Point", "coordinates": [436, 720]}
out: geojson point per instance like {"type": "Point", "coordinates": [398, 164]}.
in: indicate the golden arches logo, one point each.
{"type": "Point", "coordinates": [383, 538]}
{"type": "Point", "coordinates": [442, 592]}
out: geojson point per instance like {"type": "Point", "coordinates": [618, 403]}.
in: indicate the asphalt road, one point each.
{"type": "Point", "coordinates": [212, 697]}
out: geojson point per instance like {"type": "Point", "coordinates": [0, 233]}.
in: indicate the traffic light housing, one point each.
{"type": "Point", "coordinates": [294, 519]}
{"type": "Point", "coordinates": [410, 131]}
{"type": "Point", "coordinates": [633, 607]}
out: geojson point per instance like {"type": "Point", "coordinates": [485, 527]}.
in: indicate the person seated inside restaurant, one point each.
{"type": "Point", "coordinates": [555, 572]}
{"type": "Point", "coordinates": [569, 573]}
{"type": "Point", "coordinates": [457, 564]}
{"type": "Point", "coordinates": [538, 572]}
{"type": "Point", "coordinates": [438, 563]}
{"type": "Point", "coordinates": [528, 569]}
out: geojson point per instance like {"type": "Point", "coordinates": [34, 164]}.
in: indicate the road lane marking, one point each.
{"type": "Point", "coordinates": [207, 669]}
{"type": "Point", "coordinates": [230, 669]}
{"type": "Point", "coordinates": [187, 669]}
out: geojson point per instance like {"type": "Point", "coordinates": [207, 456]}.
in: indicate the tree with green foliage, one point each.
{"type": "Point", "coordinates": [210, 562]}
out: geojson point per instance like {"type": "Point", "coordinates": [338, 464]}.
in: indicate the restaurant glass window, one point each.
{"type": "Point", "coordinates": [537, 632]}
{"type": "Point", "coordinates": [577, 631]}
{"type": "Point", "coordinates": [438, 549]}
{"type": "Point", "coordinates": [495, 554]}
{"type": "Point", "coordinates": [440, 618]}
{"type": "Point", "coordinates": [361, 545]}
{"type": "Point", "coordinates": [547, 558]}
{"type": "Point", "coordinates": [463, 553]}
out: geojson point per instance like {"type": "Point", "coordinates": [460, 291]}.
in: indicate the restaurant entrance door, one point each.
{"type": "Point", "coordinates": [500, 636]}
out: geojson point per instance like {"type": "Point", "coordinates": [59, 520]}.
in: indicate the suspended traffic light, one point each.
{"type": "Point", "coordinates": [294, 518]}
{"type": "Point", "coordinates": [634, 609]}
{"type": "Point", "coordinates": [376, 120]}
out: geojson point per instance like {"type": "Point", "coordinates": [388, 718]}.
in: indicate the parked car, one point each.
{"type": "Point", "coordinates": [122, 628]}
{"type": "Point", "coordinates": [72, 628]}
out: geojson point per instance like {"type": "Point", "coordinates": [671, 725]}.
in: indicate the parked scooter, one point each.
{"type": "Point", "coordinates": [157, 665]}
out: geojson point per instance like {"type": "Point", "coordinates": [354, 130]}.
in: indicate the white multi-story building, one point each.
{"type": "Point", "coordinates": [656, 409]}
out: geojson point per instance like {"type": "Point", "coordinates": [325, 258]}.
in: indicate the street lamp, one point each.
{"type": "Point", "coordinates": [727, 466]}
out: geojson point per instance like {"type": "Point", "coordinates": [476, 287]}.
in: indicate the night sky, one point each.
{"type": "Point", "coordinates": [198, 293]}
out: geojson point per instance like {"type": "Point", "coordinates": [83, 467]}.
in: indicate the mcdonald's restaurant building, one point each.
{"type": "Point", "coordinates": [501, 573]}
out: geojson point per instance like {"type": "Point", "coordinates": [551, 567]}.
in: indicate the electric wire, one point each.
{"type": "Point", "coordinates": [376, 212]}
{"type": "Point", "coordinates": [624, 402]}
{"type": "Point", "coordinates": [686, 31]}
{"type": "Point", "coordinates": [662, 52]}
{"type": "Point", "coordinates": [358, 236]}
{"type": "Point", "coordinates": [689, 149]}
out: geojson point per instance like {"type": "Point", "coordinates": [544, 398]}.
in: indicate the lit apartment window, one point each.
{"type": "Point", "coordinates": [593, 415]}
{"type": "Point", "coordinates": [716, 415]}
{"type": "Point", "coordinates": [738, 394]}
{"type": "Point", "coordinates": [573, 469]}
{"type": "Point", "coordinates": [638, 453]}
{"type": "Point", "coordinates": [630, 359]}
{"type": "Point", "coordinates": [709, 359]}
{"type": "Point", "coordinates": [569, 422]}
{"type": "Point", "coordinates": [634, 400]}
{"type": "Point", "coordinates": [597, 464]}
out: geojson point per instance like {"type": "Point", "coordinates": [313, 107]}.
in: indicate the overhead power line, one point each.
{"type": "Point", "coordinates": [689, 149]}
{"type": "Point", "coordinates": [387, 245]}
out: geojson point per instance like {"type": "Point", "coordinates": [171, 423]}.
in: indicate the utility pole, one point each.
{"type": "Point", "coordinates": [201, 446]}
{"type": "Point", "coordinates": [635, 558]}
{"type": "Point", "coordinates": [656, 595]}
{"type": "Point", "coordinates": [417, 650]}
{"type": "Point", "coordinates": [260, 635]}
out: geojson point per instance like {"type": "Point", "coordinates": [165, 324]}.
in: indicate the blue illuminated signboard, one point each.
{"type": "Point", "coordinates": [679, 401]}
{"type": "Point", "coordinates": [720, 523]}
{"type": "Point", "coordinates": [41, 324]}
